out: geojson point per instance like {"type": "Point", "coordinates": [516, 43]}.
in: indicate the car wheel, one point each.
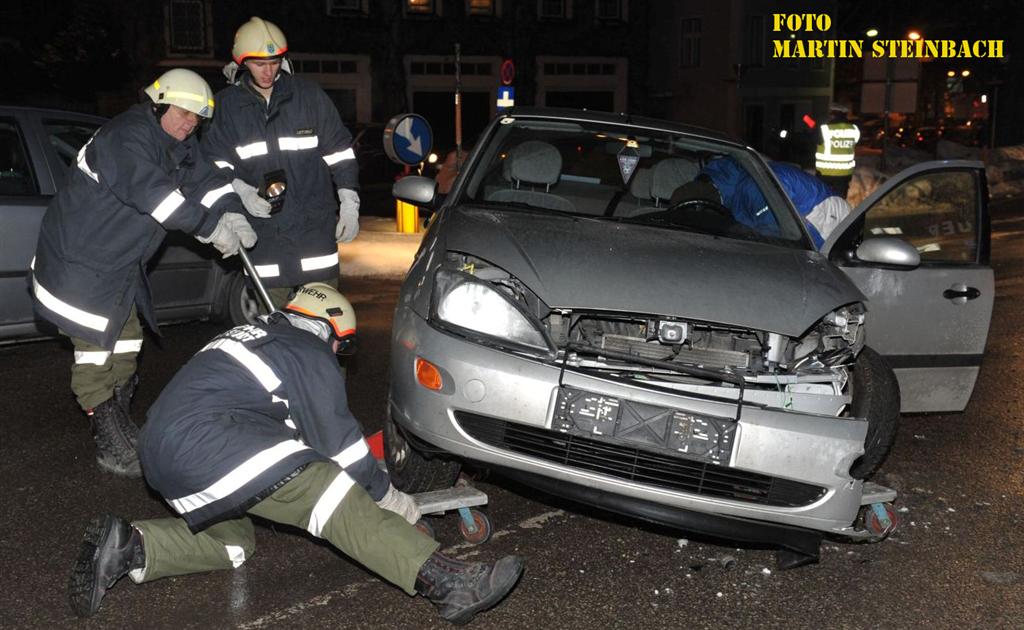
{"type": "Point", "coordinates": [875, 396]}
{"type": "Point", "coordinates": [238, 302]}
{"type": "Point", "coordinates": [409, 469]}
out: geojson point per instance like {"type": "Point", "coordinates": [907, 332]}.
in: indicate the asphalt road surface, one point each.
{"type": "Point", "coordinates": [957, 560]}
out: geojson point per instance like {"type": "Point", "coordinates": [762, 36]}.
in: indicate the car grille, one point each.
{"type": "Point", "coordinates": [639, 465]}
{"type": "Point", "coordinates": [707, 357]}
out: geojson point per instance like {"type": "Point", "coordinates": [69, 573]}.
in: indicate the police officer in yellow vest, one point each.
{"type": "Point", "coordinates": [834, 158]}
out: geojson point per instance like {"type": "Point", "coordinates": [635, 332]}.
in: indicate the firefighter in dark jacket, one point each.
{"type": "Point", "coordinates": [274, 132]}
{"type": "Point", "coordinates": [140, 175]}
{"type": "Point", "coordinates": [257, 423]}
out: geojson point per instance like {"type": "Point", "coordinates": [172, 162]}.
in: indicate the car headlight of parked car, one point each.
{"type": "Point", "coordinates": [481, 311]}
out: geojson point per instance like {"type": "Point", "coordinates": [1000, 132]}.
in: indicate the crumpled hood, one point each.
{"type": "Point", "coordinates": [600, 265]}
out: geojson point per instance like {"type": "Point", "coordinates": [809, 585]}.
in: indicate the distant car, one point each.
{"type": "Point", "coordinates": [37, 146]}
{"type": "Point", "coordinates": [596, 312]}
{"type": "Point", "coordinates": [926, 138]}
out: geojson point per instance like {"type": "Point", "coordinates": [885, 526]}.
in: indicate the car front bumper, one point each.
{"type": "Point", "coordinates": [493, 402]}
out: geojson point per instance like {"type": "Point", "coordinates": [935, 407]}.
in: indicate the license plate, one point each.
{"type": "Point", "coordinates": [599, 416]}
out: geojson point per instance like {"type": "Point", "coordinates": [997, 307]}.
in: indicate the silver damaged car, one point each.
{"type": "Point", "coordinates": [630, 313]}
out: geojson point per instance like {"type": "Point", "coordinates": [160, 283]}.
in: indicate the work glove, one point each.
{"type": "Point", "coordinates": [256, 206]}
{"type": "Point", "coordinates": [232, 231]}
{"type": "Point", "coordinates": [394, 500]}
{"type": "Point", "coordinates": [348, 215]}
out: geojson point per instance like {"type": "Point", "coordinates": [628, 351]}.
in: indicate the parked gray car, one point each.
{"type": "Point", "coordinates": [598, 312]}
{"type": "Point", "coordinates": [37, 146]}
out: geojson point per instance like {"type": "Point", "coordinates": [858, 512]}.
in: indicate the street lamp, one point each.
{"type": "Point", "coordinates": [872, 32]}
{"type": "Point", "coordinates": [913, 36]}
{"type": "Point", "coordinates": [965, 73]}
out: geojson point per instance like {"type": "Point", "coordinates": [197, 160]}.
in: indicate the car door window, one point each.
{"type": "Point", "coordinates": [67, 137]}
{"type": "Point", "coordinates": [17, 178]}
{"type": "Point", "coordinates": [936, 212]}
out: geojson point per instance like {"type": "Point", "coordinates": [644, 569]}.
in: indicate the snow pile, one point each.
{"type": "Point", "coordinates": [1004, 167]}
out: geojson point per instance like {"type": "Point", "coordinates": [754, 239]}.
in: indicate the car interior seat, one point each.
{"type": "Point", "coordinates": [531, 169]}
{"type": "Point", "coordinates": [653, 187]}
{"type": "Point", "coordinates": [669, 174]}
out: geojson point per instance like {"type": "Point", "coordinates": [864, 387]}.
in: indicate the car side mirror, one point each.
{"type": "Point", "coordinates": [414, 189]}
{"type": "Point", "coordinates": [889, 251]}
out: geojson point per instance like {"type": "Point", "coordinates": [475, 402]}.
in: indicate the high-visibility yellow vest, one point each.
{"type": "Point", "coordinates": [835, 154]}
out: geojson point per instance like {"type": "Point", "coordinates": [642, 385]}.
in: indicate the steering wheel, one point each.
{"type": "Point", "coordinates": [709, 204]}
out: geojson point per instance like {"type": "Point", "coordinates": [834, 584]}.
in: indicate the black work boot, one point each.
{"type": "Point", "coordinates": [460, 590]}
{"type": "Point", "coordinates": [123, 397]}
{"type": "Point", "coordinates": [111, 548]}
{"type": "Point", "coordinates": [115, 450]}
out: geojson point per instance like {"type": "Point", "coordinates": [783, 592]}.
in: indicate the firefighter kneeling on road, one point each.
{"type": "Point", "coordinates": [140, 175]}
{"type": "Point", "coordinates": [257, 423]}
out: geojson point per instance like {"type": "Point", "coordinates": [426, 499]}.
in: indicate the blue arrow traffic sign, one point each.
{"type": "Point", "coordinates": [408, 139]}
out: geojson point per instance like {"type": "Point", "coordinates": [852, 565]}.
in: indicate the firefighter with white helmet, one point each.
{"type": "Point", "coordinates": [291, 159]}
{"type": "Point", "coordinates": [140, 175]}
{"type": "Point", "coordinates": [257, 423]}
{"type": "Point", "coordinates": [834, 158]}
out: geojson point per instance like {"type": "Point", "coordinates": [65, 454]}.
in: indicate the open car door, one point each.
{"type": "Point", "coordinates": [930, 321]}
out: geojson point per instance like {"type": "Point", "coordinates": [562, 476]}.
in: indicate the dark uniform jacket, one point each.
{"type": "Point", "coordinates": [245, 414]}
{"type": "Point", "coordinates": [132, 183]}
{"type": "Point", "coordinates": [298, 132]}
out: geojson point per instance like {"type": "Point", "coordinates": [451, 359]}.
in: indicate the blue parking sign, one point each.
{"type": "Point", "coordinates": [506, 97]}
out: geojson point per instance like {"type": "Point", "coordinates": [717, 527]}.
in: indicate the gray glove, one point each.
{"type": "Point", "coordinates": [231, 232]}
{"type": "Point", "coordinates": [348, 215]}
{"type": "Point", "coordinates": [400, 503]}
{"type": "Point", "coordinates": [256, 206]}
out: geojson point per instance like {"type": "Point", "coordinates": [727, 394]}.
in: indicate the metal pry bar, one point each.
{"type": "Point", "coordinates": [261, 291]}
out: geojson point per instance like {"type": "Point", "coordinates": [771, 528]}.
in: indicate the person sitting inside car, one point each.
{"type": "Point", "coordinates": [724, 180]}
{"type": "Point", "coordinates": [819, 206]}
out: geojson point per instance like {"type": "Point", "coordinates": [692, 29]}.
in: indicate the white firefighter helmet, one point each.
{"type": "Point", "coordinates": [321, 301]}
{"type": "Point", "coordinates": [258, 39]}
{"type": "Point", "coordinates": [183, 88]}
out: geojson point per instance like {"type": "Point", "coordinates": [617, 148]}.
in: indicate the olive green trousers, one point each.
{"type": "Point", "coordinates": [380, 540]}
{"type": "Point", "coordinates": [97, 371]}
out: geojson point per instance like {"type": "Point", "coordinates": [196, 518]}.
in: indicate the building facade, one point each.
{"type": "Point", "coordinates": [711, 65]}
{"type": "Point", "coordinates": [377, 58]}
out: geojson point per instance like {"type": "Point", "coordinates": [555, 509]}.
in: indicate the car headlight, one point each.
{"type": "Point", "coordinates": [479, 309]}
{"type": "Point", "coordinates": [835, 340]}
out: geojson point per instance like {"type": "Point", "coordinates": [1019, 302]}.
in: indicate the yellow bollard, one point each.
{"type": "Point", "coordinates": [407, 217]}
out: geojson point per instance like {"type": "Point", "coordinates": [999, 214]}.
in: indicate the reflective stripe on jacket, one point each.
{"type": "Point", "coordinates": [300, 133]}
{"type": "Point", "coordinates": [129, 184]}
{"type": "Point", "coordinates": [245, 413]}
{"type": "Point", "coordinates": [835, 153]}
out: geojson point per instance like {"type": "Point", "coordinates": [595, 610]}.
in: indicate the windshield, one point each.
{"type": "Point", "coordinates": [627, 174]}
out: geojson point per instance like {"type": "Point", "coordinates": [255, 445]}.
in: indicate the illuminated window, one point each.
{"type": "Point", "coordinates": [480, 7]}
{"type": "Point", "coordinates": [420, 7]}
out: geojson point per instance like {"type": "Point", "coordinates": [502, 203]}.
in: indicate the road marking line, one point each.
{"type": "Point", "coordinates": [275, 618]}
